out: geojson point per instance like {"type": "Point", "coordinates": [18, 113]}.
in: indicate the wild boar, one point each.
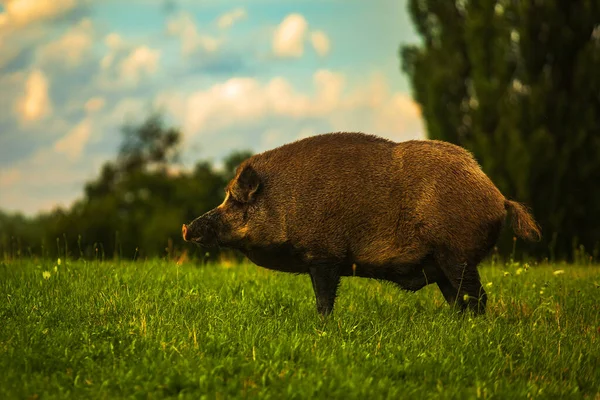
{"type": "Point", "coordinates": [353, 204]}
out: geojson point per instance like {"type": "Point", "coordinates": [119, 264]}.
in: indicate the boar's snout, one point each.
{"type": "Point", "coordinates": [202, 230]}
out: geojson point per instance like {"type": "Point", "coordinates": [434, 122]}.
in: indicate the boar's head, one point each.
{"type": "Point", "coordinates": [237, 219]}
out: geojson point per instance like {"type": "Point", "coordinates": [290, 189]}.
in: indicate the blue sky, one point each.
{"type": "Point", "coordinates": [250, 74]}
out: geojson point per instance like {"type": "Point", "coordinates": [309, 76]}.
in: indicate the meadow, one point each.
{"type": "Point", "coordinates": [155, 329]}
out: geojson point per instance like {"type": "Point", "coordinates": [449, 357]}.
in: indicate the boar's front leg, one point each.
{"type": "Point", "coordinates": [325, 281]}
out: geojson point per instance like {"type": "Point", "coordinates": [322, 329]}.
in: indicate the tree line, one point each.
{"type": "Point", "coordinates": [517, 83]}
{"type": "Point", "coordinates": [133, 209]}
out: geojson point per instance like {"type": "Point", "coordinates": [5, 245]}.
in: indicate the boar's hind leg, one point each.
{"type": "Point", "coordinates": [325, 281]}
{"type": "Point", "coordinates": [461, 286]}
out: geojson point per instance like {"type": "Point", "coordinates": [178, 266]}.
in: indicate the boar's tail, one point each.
{"type": "Point", "coordinates": [522, 221]}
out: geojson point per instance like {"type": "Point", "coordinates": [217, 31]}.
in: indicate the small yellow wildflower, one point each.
{"type": "Point", "coordinates": [46, 274]}
{"type": "Point", "coordinates": [58, 261]}
{"type": "Point", "coordinates": [506, 273]}
{"type": "Point", "coordinates": [559, 272]}
{"type": "Point", "coordinates": [466, 297]}
{"type": "Point", "coordinates": [55, 269]}
{"type": "Point", "coordinates": [489, 284]}
{"type": "Point", "coordinates": [519, 270]}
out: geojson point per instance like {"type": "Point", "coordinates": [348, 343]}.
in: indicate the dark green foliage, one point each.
{"type": "Point", "coordinates": [134, 208]}
{"type": "Point", "coordinates": [148, 143]}
{"type": "Point", "coordinates": [517, 83]}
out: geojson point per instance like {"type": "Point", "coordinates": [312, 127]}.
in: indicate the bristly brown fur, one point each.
{"type": "Point", "coordinates": [343, 204]}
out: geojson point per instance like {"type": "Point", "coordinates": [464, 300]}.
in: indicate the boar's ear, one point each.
{"type": "Point", "coordinates": [246, 186]}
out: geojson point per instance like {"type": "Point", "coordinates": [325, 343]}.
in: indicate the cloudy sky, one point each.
{"type": "Point", "coordinates": [249, 74]}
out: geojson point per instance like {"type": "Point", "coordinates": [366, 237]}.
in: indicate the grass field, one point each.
{"type": "Point", "coordinates": [154, 329]}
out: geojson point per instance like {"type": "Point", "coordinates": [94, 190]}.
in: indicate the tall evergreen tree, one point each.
{"type": "Point", "coordinates": [517, 82]}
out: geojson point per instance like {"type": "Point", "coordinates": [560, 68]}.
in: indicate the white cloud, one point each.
{"type": "Point", "coordinates": [53, 174]}
{"type": "Point", "coordinates": [329, 90]}
{"type": "Point", "coordinates": [35, 104]}
{"type": "Point", "coordinates": [94, 104]}
{"type": "Point", "coordinates": [242, 101]}
{"type": "Point", "coordinates": [9, 177]}
{"type": "Point", "coordinates": [44, 181]}
{"type": "Point", "coordinates": [211, 106]}
{"type": "Point", "coordinates": [401, 113]}
{"type": "Point", "coordinates": [289, 37]}
{"type": "Point", "coordinates": [231, 17]}
{"type": "Point", "coordinates": [125, 110]}
{"type": "Point", "coordinates": [125, 65]}
{"type": "Point", "coordinates": [23, 23]}
{"type": "Point", "coordinates": [306, 132]}
{"type": "Point", "coordinates": [73, 143]}
{"type": "Point", "coordinates": [184, 27]}
{"type": "Point", "coordinates": [272, 138]}
{"type": "Point", "coordinates": [292, 33]}
{"type": "Point", "coordinates": [320, 42]}
{"type": "Point", "coordinates": [373, 108]}
{"type": "Point", "coordinates": [10, 84]}
{"type": "Point", "coordinates": [71, 48]}
{"type": "Point", "coordinates": [23, 12]}
{"type": "Point", "coordinates": [113, 40]}
{"type": "Point", "coordinates": [114, 43]}
{"type": "Point", "coordinates": [141, 61]}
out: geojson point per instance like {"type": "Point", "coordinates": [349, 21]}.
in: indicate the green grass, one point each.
{"type": "Point", "coordinates": [153, 330]}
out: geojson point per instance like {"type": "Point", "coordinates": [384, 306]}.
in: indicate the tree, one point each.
{"type": "Point", "coordinates": [148, 144]}
{"type": "Point", "coordinates": [517, 83]}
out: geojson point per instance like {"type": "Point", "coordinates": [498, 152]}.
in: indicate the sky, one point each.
{"type": "Point", "coordinates": [232, 75]}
